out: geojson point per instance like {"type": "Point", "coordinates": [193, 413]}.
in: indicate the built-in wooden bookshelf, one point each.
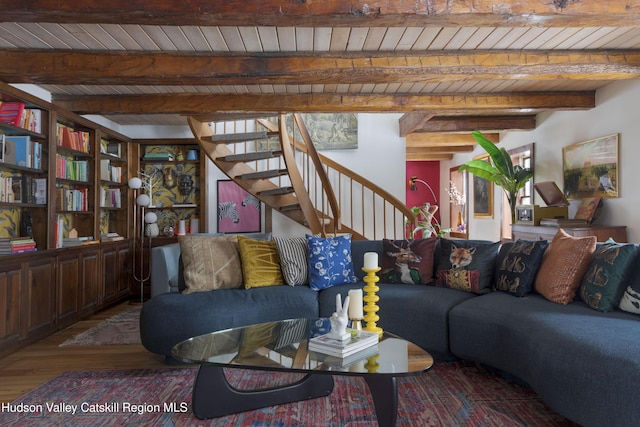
{"type": "Point", "coordinates": [52, 188]}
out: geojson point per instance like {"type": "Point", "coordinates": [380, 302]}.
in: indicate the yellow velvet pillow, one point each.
{"type": "Point", "coordinates": [260, 263]}
{"type": "Point", "coordinates": [564, 263]}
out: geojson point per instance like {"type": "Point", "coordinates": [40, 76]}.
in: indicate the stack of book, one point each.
{"type": "Point", "coordinates": [157, 156]}
{"type": "Point", "coordinates": [22, 244]}
{"type": "Point", "coordinates": [360, 340]}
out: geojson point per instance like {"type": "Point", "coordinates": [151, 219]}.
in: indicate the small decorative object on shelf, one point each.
{"type": "Point", "coordinates": [371, 308]}
{"type": "Point", "coordinates": [182, 228]}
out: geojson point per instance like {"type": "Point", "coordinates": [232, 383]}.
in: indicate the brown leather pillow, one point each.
{"type": "Point", "coordinates": [563, 265]}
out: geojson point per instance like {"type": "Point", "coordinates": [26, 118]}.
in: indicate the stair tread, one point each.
{"type": "Point", "coordinates": [290, 207]}
{"type": "Point", "coordinates": [276, 191]}
{"type": "Point", "coordinates": [264, 174]}
{"type": "Point", "coordinates": [237, 137]}
{"type": "Point", "coordinates": [246, 157]}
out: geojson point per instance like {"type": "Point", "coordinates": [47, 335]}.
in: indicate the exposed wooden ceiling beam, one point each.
{"type": "Point", "coordinates": [409, 122]}
{"type": "Point", "coordinates": [456, 124]}
{"type": "Point", "coordinates": [161, 68]}
{"type": "Point", "coordinates": [329, 12]}
{"type": "Point", "coordinates": [427, 156]}
{"type": "Point", "coordinates": [449, 149]}
{"type": "Point", "coordinates": [192, 104]}
{"type": "Point", "coordinates": [435, 140]}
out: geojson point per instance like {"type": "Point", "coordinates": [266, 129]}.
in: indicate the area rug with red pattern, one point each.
{"type": "Point", "coordinates": [121, 328]}
{"type": "Point", "coordinates": [450, 394]}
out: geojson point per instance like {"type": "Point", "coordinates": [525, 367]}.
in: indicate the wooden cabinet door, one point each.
{"type": "Point", "coordinates": [10, 284]}
{"type": "Point", "coordinates": [68, 288]}
{"type": "Point", "coordinates": [124, 264]}
{"type": "Point", "coordinates": [90, 275]}
{"type": "Point", "coordinates": [110, 274]}
{"type": "Point", "coordinates": [40, 287]}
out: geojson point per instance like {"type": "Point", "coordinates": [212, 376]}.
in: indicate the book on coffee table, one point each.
{"type": "Point", "coordinates": [359, 340]}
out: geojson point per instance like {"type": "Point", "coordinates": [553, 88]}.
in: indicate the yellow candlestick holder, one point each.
{"type": "Point", "coordinates": [371, 308]}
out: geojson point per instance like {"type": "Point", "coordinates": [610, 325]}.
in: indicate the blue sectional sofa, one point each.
{"type": "Point", "coordinates": [584, 363]}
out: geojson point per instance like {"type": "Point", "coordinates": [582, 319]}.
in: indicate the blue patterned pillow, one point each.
{"type": "Point", "coordinates": [329, 261]}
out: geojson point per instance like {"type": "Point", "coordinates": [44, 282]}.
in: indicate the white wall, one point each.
{"type": "Point", "coordinates": [616, 111]}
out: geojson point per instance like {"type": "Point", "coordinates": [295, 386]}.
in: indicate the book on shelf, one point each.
{"type": "Point", "coordinates": [18, 150]}
{"type": "Point", "coordinates": [111, 237]}
{"type": "Point", "coordinates": [11, 112]}
{"type": "Point", "coordinates": [359, 340]}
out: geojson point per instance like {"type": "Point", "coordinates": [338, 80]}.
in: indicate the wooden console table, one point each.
{"type": "Point", "coordinates": [539, 232]}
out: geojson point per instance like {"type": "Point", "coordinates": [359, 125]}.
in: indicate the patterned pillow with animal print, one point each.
{"type": "Point", "coordinates": [608, 276]}
{"type": "Point", "coordinates": [466, 265]}
{"type": "Point", "coordinates": [517, 266]}
{"type": "Point", "coordinates": [408, 261]}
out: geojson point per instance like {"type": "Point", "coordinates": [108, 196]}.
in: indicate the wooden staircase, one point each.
{"type": "Point", "coordinates": [284, 171]}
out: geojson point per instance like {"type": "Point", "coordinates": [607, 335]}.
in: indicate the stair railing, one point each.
{"type": "Point", "coordinates": [359, 206]}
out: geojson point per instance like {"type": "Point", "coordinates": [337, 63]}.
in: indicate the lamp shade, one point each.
{"type": "Point", "coordinates": [135, 183]}
{"type": "Point", "coordinates": [150, 217]}
{"type": "Point", "coordinates": [143, 200]}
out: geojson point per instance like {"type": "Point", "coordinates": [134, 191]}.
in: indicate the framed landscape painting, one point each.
{"type": "Point", "coordinates": [590, 168]}
{"type": "Point", "coordinates": [238, 211]}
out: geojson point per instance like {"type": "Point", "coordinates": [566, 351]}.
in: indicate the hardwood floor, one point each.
{"type": "Point", "coordinates": [34, 365]}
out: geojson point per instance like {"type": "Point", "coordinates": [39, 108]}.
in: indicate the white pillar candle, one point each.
{"type": "Point", "coordinates": [371, 260]}
{"type": "Point", "coordinates": [182, 228]}
{"type": "Point", "coordinates": [355, 304]}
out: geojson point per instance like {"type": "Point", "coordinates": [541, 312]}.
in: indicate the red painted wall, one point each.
{"type": "Point", "coordinates": [428, 171]}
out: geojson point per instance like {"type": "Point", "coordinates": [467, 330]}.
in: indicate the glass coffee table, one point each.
{"type": "Point", "coordinates": [282, 346]}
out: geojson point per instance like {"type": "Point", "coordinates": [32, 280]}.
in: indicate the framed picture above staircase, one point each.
{"type": "Point", "coordinates": [238, 211]}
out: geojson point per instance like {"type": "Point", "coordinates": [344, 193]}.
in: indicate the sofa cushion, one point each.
{"type": "Point", "coordinates": [293, 259]}
{"type": "Point", "coordinates": [630, 300]}
{"type": "Point", "coordinates": [210, 262]}
{"type": "Point", "coordinates": [517, 266]}
{"type": "Point", "coordinates": [408, 261]}
{"type": "Point", "coordinates": [564, 264]}
{"type": "Point", "coordinates": [608, 275]}
{"type": "Point", "coordinates": [260, 263]}
{"type": "Point", "coordinates": [466, 265]}
{"type": "Point", "coordinates": [329, 261]}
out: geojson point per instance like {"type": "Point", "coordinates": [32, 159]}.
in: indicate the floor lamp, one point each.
{"type": "Point", "coordinates": [142, 201]}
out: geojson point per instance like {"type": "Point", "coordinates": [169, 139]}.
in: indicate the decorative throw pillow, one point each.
{"type": "Point", "coordinates": [563, 265]}
{"type": "Point", "coordinates": [466, 265]}
{"type": "Point", "coordinates": [517, 266]}
{"type": "Point", "coordinates": [210, 262]}
{"type": "Point", "coordinates": [329, 261]}
{"type": "Point", "coordinates": [630, 300]}
{"type": "Point", "coordinates": [293, 259]}
{"type": "Point", "coordinates": [260, 263]}
{"type": "Point", "coordinates": [608, 275]}
{"type": "Point", "coordinates": [408, 261]}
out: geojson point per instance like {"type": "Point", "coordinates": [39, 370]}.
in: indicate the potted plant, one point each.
{"type": "Point", "coordinates": [500, 170]}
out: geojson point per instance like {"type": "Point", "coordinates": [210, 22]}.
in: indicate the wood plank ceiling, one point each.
{"type": "Point", "coordinates": [450, 66]}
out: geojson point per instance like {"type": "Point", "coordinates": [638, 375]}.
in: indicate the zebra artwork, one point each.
{"type": "Point", "coordinates": [228, 210]}
{"type": "Point", "coordinates": [251, 200]}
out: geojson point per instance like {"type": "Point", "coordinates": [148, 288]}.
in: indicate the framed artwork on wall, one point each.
{"type": "Point", "coordinates": [590, 168]}
{"type": "Point", "coordinates": [238, 211]}
{"type": "Point", "coordinates": [482, 195]}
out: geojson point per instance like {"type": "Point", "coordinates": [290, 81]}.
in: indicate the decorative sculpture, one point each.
{"type": "Point", "coordinates": [339, 320]}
